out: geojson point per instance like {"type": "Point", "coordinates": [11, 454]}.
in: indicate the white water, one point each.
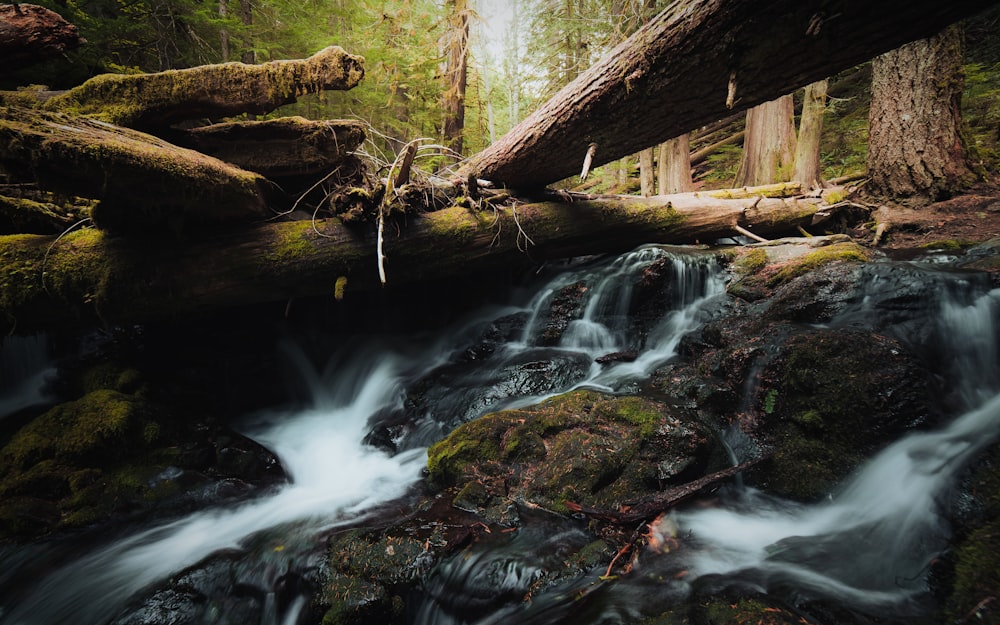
{"type": "Point", "coordinates": [334, 479]}
{"type": "Point", "coordinates": [872, 543]}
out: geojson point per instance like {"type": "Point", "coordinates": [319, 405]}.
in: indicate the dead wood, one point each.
{"type": "Point", "coordinates": [647, 509]}
{"type": "Point", "coordinates": [31, 34]}
{"type": "Point", "coordinates": [745, 53]}
{"type": "Point", "coordinates": [143, 183]}
{"type": "Point", "coordinates": [155, 101]}
{"type": "Point", "coordinates": [29, 211]}
{"type": "Point", "coordinates": [275, 148]}
{"type": "Point", "coordinates": [90, 277]}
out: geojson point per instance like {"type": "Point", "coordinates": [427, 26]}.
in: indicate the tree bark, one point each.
{"type": "Point", "coordinates": [768, 143]}
{"type": "Point", "coordinates": [647, 175]}
{"type": "Point", "coordinates": [675, 165]}
{"type": "Point", "coordinates": [807, 152]}
{"type": "Point", "coordinates": [143, 182]}
{"type": "Point", "coordinates": [89, 277]}
{"type": "Point", "coordinates": [456, 75]}
{"type": "Point", "coordinates": [745, 53]}
{"type": "Point", "coordinates": [153, 102]}
{"type": "Point", "coordinates": [31, 34]}
{"type": "Point", "coordinates": [288, 146]}
{"type": "Point", "coordinates": [915, 147]}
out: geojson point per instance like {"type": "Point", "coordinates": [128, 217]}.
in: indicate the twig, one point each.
{"type": "Point", "coordinates": [45, 258]}
{"type": "Point", "coordinates": [879, 232]}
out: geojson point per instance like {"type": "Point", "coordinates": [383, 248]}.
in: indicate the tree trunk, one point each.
{"type": "Point", "coordinates": [153, 102]}
{"type": "Point", "coordinates": [89, 277]}
{"type": "Point", "coordinates": [456, 75]}
{"type": "Point", "coordinates": [675, 165]}
{"type": "Point", "coordinates": [647, 174]}
{"type": "Point", "coordinates": [807, 163]}
{"type": "Point", "coordinates": [249, 55]}
{"type": "Point", "coordinates": [224, 32]}
{"type": "Point", "coordinates": [31, 34]}
{"type": "Point", "coordinates": [746, 53]}
{"type": "Point", "coordinates": [915, 147]}
{"type": "Point", "coordinates": [769, 144]}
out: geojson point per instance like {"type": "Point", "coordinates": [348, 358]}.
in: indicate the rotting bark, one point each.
{"type": "Point", "coordinates": [143, 183]}
{"type": "Point", "coordinates": [31, 34]}
{"type": "Point", "coordinates": [155, 101]}
{"type": "Point", "coordinates": [745, 54]}
{"type": "Point", "coordinates": [91, 278]}
{"type": "Point", "coordinates": [288, 146]}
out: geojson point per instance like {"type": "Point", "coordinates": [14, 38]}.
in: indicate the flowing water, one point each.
{"type": "Point", "coordinates": [889, 513]}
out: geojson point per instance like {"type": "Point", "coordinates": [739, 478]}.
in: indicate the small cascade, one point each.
{"type": "Point", "coordinates": [872, 543]}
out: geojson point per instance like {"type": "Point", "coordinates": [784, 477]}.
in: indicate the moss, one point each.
{"type": "Point", "coordinates": [750, 261]}
{"type": "Point", "coordinates": [295, 243]}
{"type": "Point", "coordinates": [102, 425]}
{"type": "Point", "coordinates": [948, 245]}
{"type": "Point", "coordinates": [743, 611]}
{"type": "Point", "coordinates": [849, 251]}
{"type": "Point", "coordinates": [781, 189]}
{"type": "Point", "coordinates": [833, 196]}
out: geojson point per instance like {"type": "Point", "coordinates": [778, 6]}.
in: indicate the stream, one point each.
{"type": "Point", "coordinates": [869, 544]}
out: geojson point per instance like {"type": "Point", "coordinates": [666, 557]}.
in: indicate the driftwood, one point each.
{"type": "Point", "coordinates": [89, 277]}
{"type": "Point", "coordinates": [153, 102]}
{"type": "Point", "coordinates": [31, 34]}
{"type": "Point", "coordinates": [696, 62]}
{"type": "Point", "coordinates": [274, 148]}
{"type": "Point", "coordinates": [143, 182]}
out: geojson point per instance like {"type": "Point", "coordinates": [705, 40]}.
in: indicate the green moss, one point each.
{"type": "Point", "coordinates": [833, 196]}
{"type": "Point", "coordinates": [848, 251]}
{"type": "Point", "coordinates": [750, 261]}
{"type": "Point", "coordinates": [948, 245]}
{"type": "Point", "coordinates": [744, 611]}
{"type": "Point", "coordinates": [295, 243]}
{"type": "Point", "coordinates": [639, 412]}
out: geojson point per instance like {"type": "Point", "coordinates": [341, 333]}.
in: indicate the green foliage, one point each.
{"type": "Point", "coordinates": [981, 112]}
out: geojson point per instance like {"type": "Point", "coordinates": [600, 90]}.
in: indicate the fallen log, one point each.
{"type": "Point", "coordinates": [87, 277]}
{"type": "Point", "coordinates": [143, 183]}
{"type": "Point", "coordinates": [275, 148]}
{"type": "Point", "coordinates": [155, 101]}
{"type": "Point", "coordinates": [30, 34]}
{"type": "Point", "coordinates": [39, 212]}
{"type": "Point", "coordinates": [694, 63]}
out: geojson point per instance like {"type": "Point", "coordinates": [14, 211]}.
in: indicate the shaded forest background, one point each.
{"type": "Point", "coordinates": [513, 65]}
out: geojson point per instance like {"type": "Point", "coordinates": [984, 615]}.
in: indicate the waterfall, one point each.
{"type": "Point", "coordinates": [871, 543]}
{"type": "Point", "coordinates": [334, 478]}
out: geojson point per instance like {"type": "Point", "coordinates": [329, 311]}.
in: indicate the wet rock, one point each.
{"type": "Point", "coordinates": [567, 305]}
{"type": "Point", "coordinates": [582, 447]}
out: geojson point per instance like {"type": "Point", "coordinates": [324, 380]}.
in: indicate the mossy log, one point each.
{"type": "Point", "coordinates": [696, 62]}
{"type": "Point", "coordinates": [30, 34]}
{"type": "Point", "coordinates": [288, 146]}
{"type": "Point", "coordinates": [142, 182]}
{"type": "Point", "coordinates": [36, 212]}
{"type": "Point", "coordinates": [89, 277]}
{"type": "Point", "coordinates": [156, 101]}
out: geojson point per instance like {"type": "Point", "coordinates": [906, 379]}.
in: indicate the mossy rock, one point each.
{"type": "Point", "coordinates": [973, 581]}
{"type": "Point", "coordinates": [583, 447]}
{"type": "Point", "coordinates": [833, 399]}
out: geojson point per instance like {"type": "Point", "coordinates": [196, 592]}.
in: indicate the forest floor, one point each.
{"type": "Point", "coordinates": [973, 217]}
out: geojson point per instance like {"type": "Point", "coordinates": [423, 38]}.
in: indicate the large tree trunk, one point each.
{"type": "Point", "coordinates": [30, 34]}
{"type": "Point", "coordinates": [807, 150]}
{"type": "Point", "coordinates": [456, 75]}
{"type": "Point", "coordinates": [768, 144]}
{"type": "Point", "coordinates": [153, 102]}
{"type": "Point", "coordinates": [915, 147]}
{"type": "Point", "coordinates": [87, 276]}
{"type": "Point", "coordinates": [693, 64]}
{"type": "Point", "coordinates": [675, 165]}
